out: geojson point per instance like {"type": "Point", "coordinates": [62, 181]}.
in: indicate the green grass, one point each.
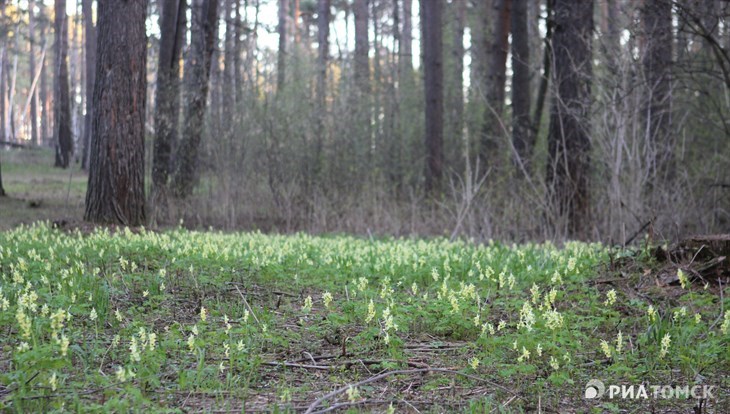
{"type": "Point", "coordinates": [114, 321]}
{"type": "Point", "coordinates": [38, 191]}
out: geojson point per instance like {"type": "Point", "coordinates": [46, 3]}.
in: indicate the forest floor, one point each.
{"type": "Point", "coordinates": [132, 320]}
{"type": "Point", "coordinates": [38, 191]}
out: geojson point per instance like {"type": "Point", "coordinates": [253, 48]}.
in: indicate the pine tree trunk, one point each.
{"type": "Point", "coordinates": [323, 24]}
{"type": "Point", "coordinates": [116, 170]}
{"type": "Point", "coordinates": [283, 40]}
{"type": "Point", "coordinates": [229, 74]}
{"type": "Point", "coordinates": [62, 100]}
{"type": "Point", "coordinates": [295, 20]}
{"type": "Point", "coordinates": [495, 85]}
{"type": "Point", "coordinates": [431, 27]}
{"type": "Point", "coordinates": [196, 84]}
{"type": "Point", "coordinates": [522, 136]}
{"type": "Point", "coordinates": [455, 90]}
{"type": "Point", "coordinates": [362, 46]}
{"type": "Point", "coordinates": [90, 77]}
{"type": "Point", "coordinates": [167, 101]}
{"type": "Point", "coordinates": [3, 86]}
{"type": "Point", "coordinates": [43, 92]}
{"type": "Point", "coordinates": [657, 21]}
{"type": "Point", "coordinates": [547, 64]}
{"type": "Point", "coordinates": [568, 144]}
{"type": "Point", "coordinates": [238, 50]}
{"type": "Point", "coordinates": [377, 40]}
{"type": "Point", "coordinates": [2, 99]}
{"type": "Point", "coordinates": [32, 69]}
{"type": "Point", "coordinates": [12, 80]}
{"type": "Point", "coordinates": [406, 44]}
{"type": "Point", "coordinates": [323, 31]}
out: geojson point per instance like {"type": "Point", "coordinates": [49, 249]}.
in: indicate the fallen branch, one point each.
{"type": "Point", "coordinates": [304, 366]}
{"type": "Point", "coordinates": [637, 232]}
{"type": "Point", "coordinates": [344, 365]}
{"type": "Point", "coordinates": [248, 306]}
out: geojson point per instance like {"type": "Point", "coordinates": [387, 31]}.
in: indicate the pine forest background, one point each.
{"type": "Point", "coordinates": [485, 119]}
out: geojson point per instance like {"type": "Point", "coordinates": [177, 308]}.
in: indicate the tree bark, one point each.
{"type": "Point", "coordinates": [116, 170]}
{"type": "Point", "coordinates": [377, 44]}
{"type": "Point", "coordinates": [455, 86]}
{"type": "Point", "coordinates": [547, 63]}
{"type": "Point", "coordinates": [2, 99]}
{"type": "Point", "coordinates": [323, 30]}
{"type": "Point", "coordinates": [3, 86]}
{"type": "Point", "coordinates": [238, 50]}
{"type": "Point", "coordinates": [522, 136]}
{"type": "Point", "coordinates": [61, 101]}
{"type": "Point", "coordinates": [12, 80]}
{"type": "Point", "coordinates": [32, 69]}
{"type": "Point", "coordinates": [197, 74]}
{"type": "Point", "coordinates": [495, 84]}
{"type": "Point", "coordinates": [568, 144]}
{"type": "Point", "coordinates": [362, 46]}
{"type": "Point", "coordinates": [90, 77]}
{"type": "Point", "coordinates": [167, 101]}
{"type": "Point", "coordinates": [43, 92]}
{"type": "Point", "coordinates": [657, 62]}
{"type": "Point", "coordinates": [229, 75]}
{"type": "Point", "coordinates": [323, 24]}
{"type": "Point", "coordinates": [283, 40]}
{"type": "Point", "coordinates": [406, 42]}
{"type": "Point", "coordinates": [295, 21]}
{"type": "Point", "coordinates": [431, 26]}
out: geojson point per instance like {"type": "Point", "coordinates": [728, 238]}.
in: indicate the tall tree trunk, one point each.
{"type": "Point", "coordinates": [431, 27]}
{"type": "Point", "coordinates": [362, 46]}
{"type": "Point", "coordinates": [116, 170]}
{"type": "Point", "coordinates": [12, 80]}
{"type": "Point", "coordinates": [547, 64]}
{"type": "Point", "coordinates": [238, 51]}
{"type": "Point", "coordinates": [32, 70]}
{"type": "Point", "coordinates": [167, 101]}
{"type": "Point", "coordinates": [3, 86]}
{"type": "Point", "coordinates": [46, 114]}
{"type": "Point", "coordinates": [197, 74]}
{"type": "Point", "coordinates": [495, 84]}
{"type": "Point", "coordinates": [295, 19]}
{"type": "Point", "coordinates": [657, 62]}
{"type": "Point", "coordinates": [283, 35]}
{"type": "Point", "coordinates": [323, 24]}
{"type": "Point", "coordinates": [522, 136]}
{"type": "Point", "coordinates": [406, 42]}
{"type": "Point", "coordinates": [62, 100]}
{"type": "Point", "coordinates": [455, 90]}
{"type": "Point", "coordinates": [479, 29]}
{"type": "Point", "coordinates": [323, 31]}
{"type": "Point", "coordinates": [75, 77]}
{"type": "Point", "coordinates": [90, 78]}
{"type": "Point", "coordinates": [377, 41]}
{"type": "Point", "coordinates": [568, 144]}
{"type": "Point", "coordinates": [2, 99]}
{"type": "Point", "coordinates": [229, 73]}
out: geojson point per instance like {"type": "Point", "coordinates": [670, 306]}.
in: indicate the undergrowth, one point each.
{"type": "Point", "coordinates": [134, 320]}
